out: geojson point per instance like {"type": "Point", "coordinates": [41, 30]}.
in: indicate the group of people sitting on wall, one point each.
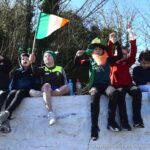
{"type": "Point", "coordinates": [29, 80]}
{"type": "Point", "coordinates": [109, 74]}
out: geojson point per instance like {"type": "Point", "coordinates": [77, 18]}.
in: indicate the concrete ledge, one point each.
{"type": "Point", "coordinates": [30, 130]}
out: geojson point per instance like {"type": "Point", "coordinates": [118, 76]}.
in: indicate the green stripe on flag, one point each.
{"type": "Point", "coordinates": [42, 28]}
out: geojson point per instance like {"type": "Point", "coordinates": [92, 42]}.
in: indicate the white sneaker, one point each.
{"type": "Point", "coordinates": [52, 118]}
{"type": "Point", "coordinates": [5, 127]}
{"type": "Point", "coordinates": [3, 116]}
{"type": "Point", "coordinates": [35, 93]}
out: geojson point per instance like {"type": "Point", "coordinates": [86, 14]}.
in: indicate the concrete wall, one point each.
{"type": "Point", "coordinates": [30, 130]}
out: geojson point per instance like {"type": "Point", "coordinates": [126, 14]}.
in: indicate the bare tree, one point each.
{"type": "Point", "coordinates": [13, 27]}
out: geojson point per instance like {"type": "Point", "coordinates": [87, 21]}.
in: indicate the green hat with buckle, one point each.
{"type": "Point", "coordinates": [97, 42]}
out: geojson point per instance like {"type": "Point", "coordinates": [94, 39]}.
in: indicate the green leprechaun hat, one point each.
{"type": "Point", "coordinates": [97, 42]}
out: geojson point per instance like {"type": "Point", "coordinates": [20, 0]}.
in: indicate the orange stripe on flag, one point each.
{"type": "Point", "coordinates": [64, 21]}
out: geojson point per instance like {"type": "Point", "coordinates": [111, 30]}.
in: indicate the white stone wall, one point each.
{"type": "Point", "coordinates": [30, 130]}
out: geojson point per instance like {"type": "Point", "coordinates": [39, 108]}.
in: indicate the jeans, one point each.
{"type": "Point", "coordinates": [145, 88]}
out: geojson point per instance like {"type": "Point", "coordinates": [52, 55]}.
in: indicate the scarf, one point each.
{"type": "Point", "coordinates": [100, 59]}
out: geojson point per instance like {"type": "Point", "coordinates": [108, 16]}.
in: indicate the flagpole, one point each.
{"type": "Point", "coordinates": [34, 40]}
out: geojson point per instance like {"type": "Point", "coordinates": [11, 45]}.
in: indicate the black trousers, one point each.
{"type": "Point", "coordinates": [122, 108]}
{"type": "Point", "coordinates": [14, 99]}
{"type": "Point", "coordinates": [136, 102]}
{"type": "Point", "coordinates": [95, 105]}
{"type": "Point", "coordinates": [3, 96]}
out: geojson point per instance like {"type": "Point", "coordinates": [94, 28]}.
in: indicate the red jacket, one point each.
{"type": "Point", "coordinates": [120, 74]}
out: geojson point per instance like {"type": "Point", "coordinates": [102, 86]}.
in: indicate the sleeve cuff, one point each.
{"type": "Point", "coordinates": [133, 42]}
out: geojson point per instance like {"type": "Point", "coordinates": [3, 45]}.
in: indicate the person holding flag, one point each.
{"type": "Point", "coordinates": [22, 81]}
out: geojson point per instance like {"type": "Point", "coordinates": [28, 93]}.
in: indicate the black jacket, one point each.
{"type": "Point", "coordinates": [141, 76]}
{"type": "Point", "coordinates": [5, 66]}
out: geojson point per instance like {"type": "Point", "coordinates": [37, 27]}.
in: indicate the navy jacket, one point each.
{"type": "Point", "coordinates": [141, 76]}
{"type": "Point", "coordinates": [25, 79]}
{"type": "Point", "coordinates": [5, 66]}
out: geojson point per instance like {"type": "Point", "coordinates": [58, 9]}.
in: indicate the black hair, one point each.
{"type": "Point", "coordinates": [144, 55]}
{"type": "Point", "coordinates": [92, 46]}
{"type": "Point", "coordinates": [24, 54]}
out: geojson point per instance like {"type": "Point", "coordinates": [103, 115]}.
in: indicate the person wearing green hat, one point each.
{"type": "Point", "coordinates": [99, 81]}
{"type": "Point", "coordinates": [54, 82]}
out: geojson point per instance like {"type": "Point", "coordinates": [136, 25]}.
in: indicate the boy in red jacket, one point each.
{"type": "Point", "coordinates": [122, 81]}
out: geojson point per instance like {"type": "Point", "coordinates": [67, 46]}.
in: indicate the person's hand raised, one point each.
{"type": "Point", "coordinates": [32, 58]}
{"type": "Point", "coordinates": [112, 37]}
{"type": "Point", "coordinates": [132, 35]}
{"type": "Point", "coordinates": [80, 53]}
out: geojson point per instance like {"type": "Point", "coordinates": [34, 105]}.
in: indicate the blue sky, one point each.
{"type": "Point", "coordinates": [76, 3]}
{"type": "Point", "coordinates": [142, 4]}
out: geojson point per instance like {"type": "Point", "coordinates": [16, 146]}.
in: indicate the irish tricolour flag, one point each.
{"type": "Point", "coordinates": [48, 24]}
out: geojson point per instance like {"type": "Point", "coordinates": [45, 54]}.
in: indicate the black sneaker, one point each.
{"type": "Point", "coordinates": [94, 133]}
{"type": "Point", "coordinates": [113, 126]}
{"type": "Point", "coordinates": [138, 125]}
{"type": "Point", "coordinates": [125, 127]}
